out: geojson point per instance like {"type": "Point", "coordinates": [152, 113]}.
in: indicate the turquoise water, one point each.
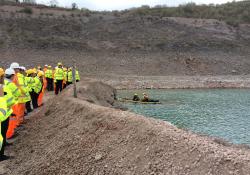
{"type": "Point", "coordinates": [221, 113]}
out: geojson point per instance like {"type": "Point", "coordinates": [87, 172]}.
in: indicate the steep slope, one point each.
{"type": "Point", "coordinates": [124, 43]}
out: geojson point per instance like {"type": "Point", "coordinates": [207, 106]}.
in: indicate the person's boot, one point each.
{"type": "Point", "coordinates": [8, 144]}
{"type": "Point", "coordinates": [29, 111]}
{"type": "Point", "coordinates": [4, 157]}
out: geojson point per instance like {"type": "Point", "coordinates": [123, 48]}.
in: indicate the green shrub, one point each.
{"type": "Point", "coordinates": [26, 10]}
{"type": "Point", "coordinates": [232, 22]}
{"type": "Point", "coordinates": [233, 13]}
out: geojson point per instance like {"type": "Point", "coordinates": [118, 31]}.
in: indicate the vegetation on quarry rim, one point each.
{"type": "Point", "coordinates": [233, 13]}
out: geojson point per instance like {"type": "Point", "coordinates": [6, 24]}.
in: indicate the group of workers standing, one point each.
{"type": "Point", "coordinates": [21, 91]}
{"type": "Point", "coordinates": [59, 78]}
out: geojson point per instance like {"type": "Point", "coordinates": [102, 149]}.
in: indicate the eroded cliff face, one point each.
{"type": "Point", "coordinates": [86, 136]}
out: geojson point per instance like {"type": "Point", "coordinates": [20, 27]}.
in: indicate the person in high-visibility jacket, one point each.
{"type": "Point", "coordinates": [39, 68]}
{"type": "Point", "coordinates": [65, 77]}
{"type": "Point", "coordinates": [26, 98]}
{"type": "Point", "coordinates": [28, 81]}
{"type": "Point", "coordinates": [8, 82]}
{"type": "Point", "coordinates": [77, 76]}
{"type": "Point", "coordinates": [70, 76]}
{"type": "Point", "coordinates": [36, 87]}
{"type": "Point", "coordinates": [3, 113]}
{"type": "Point", "coordinates": [40, 75]}
{"type": "Point", "coordinates": [45, 68]}
{"type": "Point", "coordinates": [49, 78]}
{"type": "Point", "coordinates": [18, 80]}
{"type": "Point", "coordinates": [10, 101]}
{"type": "Point", "coordinates": [58, 78]}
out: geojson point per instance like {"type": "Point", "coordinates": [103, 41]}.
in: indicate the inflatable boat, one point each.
{"type": "Point", "coordinates": [138, 102]}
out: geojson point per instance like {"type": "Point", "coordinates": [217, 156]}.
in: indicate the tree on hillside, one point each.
{"type": "Point", "coordinates": [74, 6]}
{"type": "Point", "coordinates": [53, 3]}
{"type": "Point", "coordinates": [30, 1]}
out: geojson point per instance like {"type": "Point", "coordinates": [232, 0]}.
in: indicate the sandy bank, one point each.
{"type": "Point", "coordinates": [176, 82]}
{"type": "Point", "coordinates": [82, 136]}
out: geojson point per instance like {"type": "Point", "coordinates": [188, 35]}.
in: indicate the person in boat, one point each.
{"type": "Point", "coordinates": [146, 98]}
{"type": "Point", "coordinates": [136, 97]}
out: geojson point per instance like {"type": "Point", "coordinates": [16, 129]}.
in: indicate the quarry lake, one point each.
{"type": "Point", "coordinates": [222, 113]}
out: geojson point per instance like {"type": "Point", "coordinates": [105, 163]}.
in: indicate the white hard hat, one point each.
{"type": "Point", "coordinates": [9, 71]}
{"type": "Point", "coordinates": [14, 66]}
{"type": "Point", "coordinates": [23, 68]}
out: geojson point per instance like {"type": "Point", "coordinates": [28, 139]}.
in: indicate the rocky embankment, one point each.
{"type": "Point", "coordinates": [86, 136]}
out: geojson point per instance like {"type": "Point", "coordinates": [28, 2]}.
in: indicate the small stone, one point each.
{"type": "Point", "coordinates": [98, 157]}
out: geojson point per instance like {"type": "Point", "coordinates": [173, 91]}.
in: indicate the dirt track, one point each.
{"type": "Point", "coordinates": [77, 136]}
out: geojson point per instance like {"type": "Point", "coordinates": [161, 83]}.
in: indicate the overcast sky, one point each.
{"type": "Point", "coordinates": [125, 4]}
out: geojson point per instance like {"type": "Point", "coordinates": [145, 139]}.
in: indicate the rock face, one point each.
{"type": "Point", "coordinates": [73, 136]}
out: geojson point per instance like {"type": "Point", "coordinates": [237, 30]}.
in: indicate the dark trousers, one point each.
{"type": "Point", "coordinates": [28, 107]}
{"type": "Point", "coordinates": [34, 98]}
{"type": "Point", "coordinates": [4, 128]}
{"type": "Point", "coordinates": [50, 84]}
{"type": "Point", "coordinates": [64, 86]}
{"type": "Point", "coordinates": [59, 86]}
{"type": "Point", "coordinates": [69, 83]}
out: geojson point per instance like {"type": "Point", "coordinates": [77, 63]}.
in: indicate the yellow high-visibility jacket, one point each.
{"type": "Point", "coordinates": [77, 76]}
{"type": "Point", "coordinates": [10, 100]}
{"type": "Point", "coordinates": [29, 81]}
{"type": "Point", "coordinates": [70, 76]}
{"type": "Point", "coordinates": [14, 89]}
{"type": "Point", "coordinates": [59, 74]}
{"type": "Point", "coordinates": [3, 112]}
{"type": "Point", "coordinates": [25, 97]}
{"type": "Point", "coordinates": [49, 73]}
{"type": "Point", "coordinates": [37, 85]}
